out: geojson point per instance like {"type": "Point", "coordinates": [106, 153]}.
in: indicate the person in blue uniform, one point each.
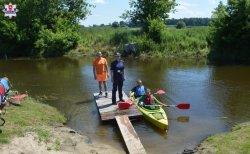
{"type": "Point", "coordinates": [117, 77]}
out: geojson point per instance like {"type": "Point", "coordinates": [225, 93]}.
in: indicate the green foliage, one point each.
{"type": "Point", "coordinates": [190, 21]}
{"type": "Point", "coordinates": [58, 42]}
{"type": "Point", "coordinates": [156, 30]}
{"type": "Point", "coordinates": [143, 11]}
{"type": "Point", "coordinates": [180, 24]}
{"type": "Point", "coordinates": [188, 42]}
{"type": "Point", "coordinates": [95, 39]}
{"type": "Point", "coordinates": [115, 24]}
{"type": "Point", "coordinates": [230, 32]}
{"type": "Point", "coordinates": [43, 135]}
{"type": "Point", "coordinates": [24, 35]}
{"type": "Point", "coordinates": [123, 23]}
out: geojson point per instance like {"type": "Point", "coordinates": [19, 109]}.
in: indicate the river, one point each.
{"type": "Point", "coordinates": [219, 97]}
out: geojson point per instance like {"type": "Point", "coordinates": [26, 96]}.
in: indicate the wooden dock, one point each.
{"type": "Point", "coordinates": [129, 135]}
{"type": "Point", "coordinates": [110, 112]}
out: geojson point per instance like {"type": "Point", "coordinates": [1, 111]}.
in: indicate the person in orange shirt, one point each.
{"type": "Point", "coordinates": [100, 70]}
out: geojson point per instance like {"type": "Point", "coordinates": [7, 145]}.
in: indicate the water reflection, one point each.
{"type": "Point", "coordinates": [213, 92]}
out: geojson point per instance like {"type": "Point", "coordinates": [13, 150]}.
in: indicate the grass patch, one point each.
{"type": "Point", "coordinates": [31, 114]}
{"type": "Point", "coordinates": [57, 145]}
{"type": "Point", "coordinates": [43, 135]}
{"type": "Point", "coordinates": [237, 141]}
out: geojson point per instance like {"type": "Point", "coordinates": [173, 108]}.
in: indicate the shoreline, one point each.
{"type": "Point", "coordinates": [62, 140]}
{"type": "Point", "coordinates": [230, 142]}
{"type": "Point", "coordinates": [34, 126]}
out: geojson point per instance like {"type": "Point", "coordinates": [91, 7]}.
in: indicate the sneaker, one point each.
{"type": "Point", "coordinates": [106, 94]}
{"type": "Point", "coordinates": [100, 93]}
{"type": "Point", "coordinates": [122, 100]}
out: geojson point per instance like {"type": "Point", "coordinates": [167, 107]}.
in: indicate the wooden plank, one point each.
{"type": "Point", "coordinates": [130, 137]}
{"type": "Point", "coordinates": [108, 111]}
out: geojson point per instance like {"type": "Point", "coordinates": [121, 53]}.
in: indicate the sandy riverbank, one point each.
{"type": "Point", "coordinates": [61, 140]}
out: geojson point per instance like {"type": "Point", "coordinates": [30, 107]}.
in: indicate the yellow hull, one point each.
{"type": "Point", "coordinates": [157, 117]}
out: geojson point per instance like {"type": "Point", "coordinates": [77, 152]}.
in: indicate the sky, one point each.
{"type": "Point", "coordinates": [108, 11]}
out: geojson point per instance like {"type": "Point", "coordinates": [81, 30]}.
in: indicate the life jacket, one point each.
{"type": "Point", "coordinates": [140, 91]}
{"type": "Point", "coordinates": [2, 93]}
{"type": "Point", "coordinates": [149, 100]}
{"type": "Point", "coordinates": [5, 83]}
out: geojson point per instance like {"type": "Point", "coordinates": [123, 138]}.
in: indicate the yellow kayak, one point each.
{"type": "Point", "coordinates": [156, 116]}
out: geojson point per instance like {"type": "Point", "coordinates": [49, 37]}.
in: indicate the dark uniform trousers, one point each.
{"type": "Point", "coordinates": [119, 84]}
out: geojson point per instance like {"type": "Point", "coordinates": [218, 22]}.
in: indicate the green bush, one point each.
{"type": "Point", "coordinates": [180, 25]}
{"type": "Point", "coordinates": [56, 43]}
{"type": "Point", "coordinates": [156, 30]}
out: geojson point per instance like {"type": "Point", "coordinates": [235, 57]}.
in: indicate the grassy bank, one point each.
{"type": "Point", "coordinates": [187, 42]}
{"type": "Point", "coordinates": [236, 141]}
{"type": "Point", "coordinates": [31, 116]}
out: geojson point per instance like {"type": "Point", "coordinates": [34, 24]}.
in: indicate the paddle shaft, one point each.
{"type": "Point", "coordinates": [180, 106]}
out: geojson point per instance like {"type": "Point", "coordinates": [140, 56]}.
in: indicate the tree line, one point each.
{"type": "Point", "coordinates": [190, 21]}
{"type": "Point", "coordinates": [187, 21]}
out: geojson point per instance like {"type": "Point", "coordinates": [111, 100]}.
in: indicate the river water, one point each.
{"type": "Point", "coordinates": [219, 97]}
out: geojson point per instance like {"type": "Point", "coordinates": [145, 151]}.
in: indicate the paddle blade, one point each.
{"type": "Point", "coordinates": [183, 106]}
{"type": "Point", "coordinates": [160, 92]}
{"type": "Point", "coordinates": [19, 96]}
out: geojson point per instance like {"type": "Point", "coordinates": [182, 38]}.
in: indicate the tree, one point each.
{"type": "Point", "coordinates": [144, 11]}
{"type": "Point", "coordinates": [22, 35]}
{"type": "Point", "coordinates": [123, 23]}
{"type": "Point", "coordinates": [180, 24]}
{"type": "Point", "coordinates": [230, 32]}
{"type": "Point", "coordinates": [115, 24]}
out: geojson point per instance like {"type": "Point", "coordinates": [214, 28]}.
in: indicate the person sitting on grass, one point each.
{"type": "Point", "coordinates": [139, 90]}
{"type": "Point", "coordinates": [148, 101]}
{"type": "Point", "coordinates": [4, 89]}
{"type": "Point", "coordinates": [5, 82]}
{"type": "Point", "coordinates": [2, 97]}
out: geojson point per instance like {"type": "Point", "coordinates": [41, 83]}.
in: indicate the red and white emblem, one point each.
{"type": "Point", "coordinates": [10, 10]}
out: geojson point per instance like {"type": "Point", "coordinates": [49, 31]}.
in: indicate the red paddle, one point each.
{"type": "Point", "coordinates": [160, 92]}
{"type": "Point", "coordinates": [19, 96]}
{"type": "Point", "coordinates": [180, 106]}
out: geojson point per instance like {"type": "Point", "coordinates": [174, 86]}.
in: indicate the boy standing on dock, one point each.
{"type": "Point", "coordinates": [100, 70]}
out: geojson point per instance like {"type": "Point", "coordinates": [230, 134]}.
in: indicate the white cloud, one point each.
{"type": "Point", "coordinates": [212, 2]}
{"type": "Point", "coordinates": [186, 4]}
{"type": "Point", "coordinates": [185, 9]}
{"type": "Point", "coordinates": [98, 1]}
